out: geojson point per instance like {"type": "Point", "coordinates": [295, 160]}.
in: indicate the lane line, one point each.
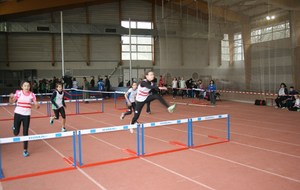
{"type": "Point", "coordinates": [178, 174]}
{"type": "Point", "coordinates": [247, 166]}
{"type": "Point", "coordinates": [242, 144]}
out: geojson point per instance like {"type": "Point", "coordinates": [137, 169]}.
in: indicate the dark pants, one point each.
{"type": "Point", "coordinates": [60, 110]}
{"type": "Point", "coordinates": [280, 101]}
{"type": "Point", "coordinates": [140, 105]}
{"type": "Point", "coordinates": [212, 96]}
{"type": "Point", "coordinates": [130, 108]}
{"type": "Point", "coordinates": [174, 92]}
{"type": "Point", "coordinates": [18, 119]}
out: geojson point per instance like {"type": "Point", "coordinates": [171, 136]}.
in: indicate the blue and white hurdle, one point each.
{"type": "Point", "coordinates": [140, 141]}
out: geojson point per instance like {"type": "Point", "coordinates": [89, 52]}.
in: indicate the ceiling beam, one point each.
{"type": "Point", "coordinates": [26, 6]}
{"type": "Point", "coordinates": [217, 11]}
{"type": "Point", "coordinates": [285, 4]}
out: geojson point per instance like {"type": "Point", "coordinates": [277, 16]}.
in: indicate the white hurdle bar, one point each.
{"type": "Point", "coordinates": [35, 138]}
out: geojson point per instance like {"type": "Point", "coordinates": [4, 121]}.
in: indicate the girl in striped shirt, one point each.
{"type": "Point", "coordinates": [144, 97]}
{"type": "Point", "coordinates": [23, 98]}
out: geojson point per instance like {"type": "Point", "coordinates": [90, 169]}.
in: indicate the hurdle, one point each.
{"type": "Point", "coordinates": [19, 139]}
{"type": "Point", "coordinates": [105, 130]}
{"type": "Point", "coordinates": [190, 141]}
{"type": "Point", "coordinates": [48, 107]}
{"type": "Point", "coordinates": [140, 142]}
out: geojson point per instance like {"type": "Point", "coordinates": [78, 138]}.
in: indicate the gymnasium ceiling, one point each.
{"type": "Point", "coordinates": [229, 10]}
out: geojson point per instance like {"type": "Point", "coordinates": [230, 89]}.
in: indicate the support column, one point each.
{"type": "Point", "coordinates": [7, 49]}
{"type": "Point", "coordinates": [88, 47]}
{"type": "Point", "coordinates": [246, 35]}
{"type": "Point", "coordinates": [120, 46]}
{"type": "Point", "coordinates": [295, 38]}
{"type": "Point", "coordinates": [231, 47]}
{"type": "Point", "coordinates": [52, 44]}
{"type": "Point", "coordinates": [154, 38]}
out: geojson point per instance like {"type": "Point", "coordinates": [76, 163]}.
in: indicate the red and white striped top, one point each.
{"type": "Point", "coordinates": [24, 102]}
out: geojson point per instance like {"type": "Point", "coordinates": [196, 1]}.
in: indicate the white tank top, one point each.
{"type": "Point", "coordinates": [24, 102]}
{"type": "Point", "coordinates": [58, 100]}
{"type": "Point", "coordinates": [142, 93]}
{"type": "Point", "coordinates": [132, 94]}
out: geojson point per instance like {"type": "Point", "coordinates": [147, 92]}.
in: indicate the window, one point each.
{"type": "Point", "coordinates": [268, 33]}
{"type": "Point", "coordinates": [225, 48]}
{"type": "Point", "coordinates": [141, 46]}
{"type": "Point", "coordinates": [238, 47]}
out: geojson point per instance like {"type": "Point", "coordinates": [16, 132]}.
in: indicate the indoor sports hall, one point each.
{"type": "Point", "coordinates": [223, 76]}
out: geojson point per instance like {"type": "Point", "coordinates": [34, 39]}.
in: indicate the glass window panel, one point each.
{"type": "Point", "coordinates": [125, 56]}
{"type": "Point", "coordinates": [144, 25]}
{"type": "Point", "coordinates": [142, 48]}
{"type": "Point", "coordinates": [125, 39]}
{"type": "Point", "coordinates": [144, 40]}
{"type": "Point", "coordinates": [133, 40]}
{"type": "Point", "coordinates": [125, 47]}
{"type": "Point", "coordinates": [279, 27]}
{"type": "Point", "coordinates": [266, 37]}
{"type": "Point", "coordinates": [287, 33]}
{"type": "Point", "coordinates": [225, 37]}
{"type": "Point", "coordinates": [144, 56]}
{"type": "Point", "coordinates": [278, 35]}
{"type": "Point", "coordinates": [125, 24]}
{"type": "Point", "coordinates": [133, 48]}
{"type": "Point", "coordinates": [134, 56]}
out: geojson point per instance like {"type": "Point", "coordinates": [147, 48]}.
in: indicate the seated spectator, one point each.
{"type": "Point", "coordinates": [282, 96]}
{"type": "Point", "coordinates": [290, 101]}
{"type": "Point", "coordinates": [296, 106]}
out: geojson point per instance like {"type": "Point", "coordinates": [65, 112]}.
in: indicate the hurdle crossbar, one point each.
{"type": "Point", "coordinates": [35, 138]}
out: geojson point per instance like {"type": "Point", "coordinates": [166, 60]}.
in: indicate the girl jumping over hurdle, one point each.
{"type": "Point", "coordinates": [144, 97]}
{"type": "Point", "coordinates": [24, 98]}
{"type": "Point", "coordinates": [58, 105]}
{"type": "Point", "coordinates": [130, 96]}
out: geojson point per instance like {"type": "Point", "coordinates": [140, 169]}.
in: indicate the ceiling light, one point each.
{"type": "Point", "coordinates": [270, 17]}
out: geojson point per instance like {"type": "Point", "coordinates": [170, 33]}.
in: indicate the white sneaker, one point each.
{"type": "Point", "coordinates": [131, 130]}
{"type": "Point", "coordinates": [51, 120]}
{"type": "Point", "coordinates": [63, 129]}
{"type": "Point", "coordinates": [122, 116]}
{"type": "Point", "coordinates": [171, 108]}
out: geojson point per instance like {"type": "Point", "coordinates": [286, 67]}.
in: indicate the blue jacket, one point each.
{"type": "Point", "coordinates": [212, 87]}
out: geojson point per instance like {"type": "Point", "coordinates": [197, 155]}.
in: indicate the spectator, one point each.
{"type": "Point", "coordinates": [85, 86]}
{"type": "Point", "coordinates": [212, 92]}
{"type": "Point", "coordinates": [92, 82]}
{"type": "Point", "coordinates": [74, 83]}
{"type": "Point", "coordinates": [282, 96]}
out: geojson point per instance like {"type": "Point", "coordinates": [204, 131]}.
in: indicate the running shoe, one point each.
{"type": "Point", "coordinates": [63, 129]}
{"type": "Point", "coordinates": [171, 108]}
{"type": "Point", "coordinates": [122, 116]}
{"type": "Point", "coordinates": [25, 153]}
{"type": "Point", "coordinates": [51, 120]}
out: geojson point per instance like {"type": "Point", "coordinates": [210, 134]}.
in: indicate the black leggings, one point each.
{"type": "Point", "coordinates": [140, 105]}
{"type": "Point", "coordinates": [18, 119]}
{"type": "Point", "coordinates": [130, 108]}
{"type": "Point", "coordinates": [60, 110]}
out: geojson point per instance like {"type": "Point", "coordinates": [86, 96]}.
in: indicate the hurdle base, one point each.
{"type": "Point", "coordinates": [37, 174]}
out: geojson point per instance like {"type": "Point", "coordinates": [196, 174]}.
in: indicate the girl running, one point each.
{"type": "Point", "coordinates": [24, 98]}
{"type": "Point", "coordinates": [58, 105]}
{"type": "Point", "coordinates": [144, 97]}
{"type": "Point", "coordinates": [130, 96]}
